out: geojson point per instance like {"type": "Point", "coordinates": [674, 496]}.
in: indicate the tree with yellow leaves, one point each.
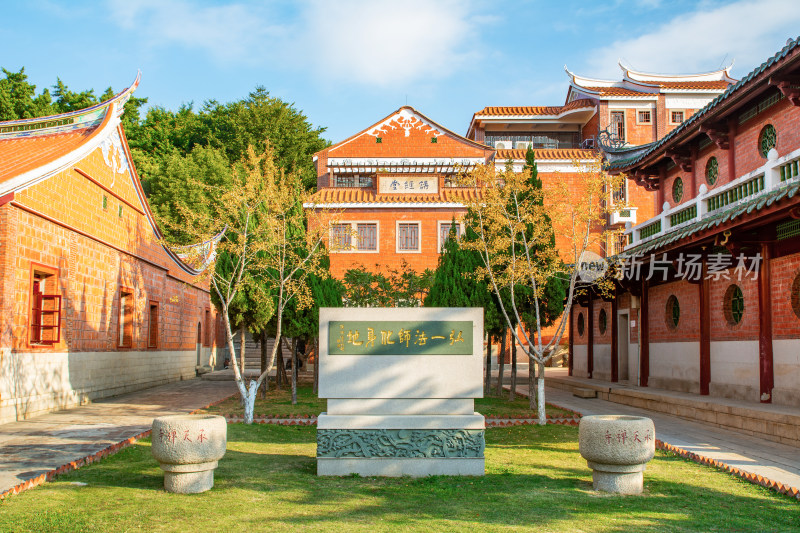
{"type": "Point", "coordinates": [268, 249]}
{"type": "Point", "coordinates": [516, 223]}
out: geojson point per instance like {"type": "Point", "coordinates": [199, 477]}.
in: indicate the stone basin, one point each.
{"type": "Point", "coordinates": [617, 448]}
{"type": "Point", "coordinates": [188, 448]}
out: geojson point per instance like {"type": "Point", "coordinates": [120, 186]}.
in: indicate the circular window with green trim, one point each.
{"type": "Point", "coordinates": [673, 314]}
{"type": "Point", "coordinates": [712, 171]}
{"type": "Point", "coordinates": [677, 190]}
{"type": "Point", "coordinates": [733, 305]}
{"type": "Point", "coordinates": [602, 321]}
{"type": "Point", "coordinates": [581, 325]}
{"type": "Point", "coordinates": [767, 140]}
{"type": "Point", "coordinates": [795, 295]}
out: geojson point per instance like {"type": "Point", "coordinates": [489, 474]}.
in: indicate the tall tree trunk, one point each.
{"type": "Point", "coordinates": [263, 345]}
{"type": "Point", "coordinates": [540, 395]}
{"type": "Point", "coordinates": [513, 389]}
{"type": "Point", "coordinates": [501, 358]}
{"type": "Point", "coordinates": [487, 385]}
{"type": "Point", "coordinates": [316, 365]}
{"type": "Point", "coordinates": [294, 371]}
{"type": "Point", "coordinates": [531, 381]}
{"type": "Point", "coordinates": [280, 371]}
{"type": "Point", "coordinates": [243, 333]}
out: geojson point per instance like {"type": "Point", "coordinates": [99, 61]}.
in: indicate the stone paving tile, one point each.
{"type": "Point", "coordinates": [772, 460]}
{"type": "Point", "coordinates": [33, 447]}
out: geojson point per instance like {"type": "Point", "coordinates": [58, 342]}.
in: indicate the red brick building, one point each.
{"type": "Point", "coordinates": [638, 109]}
{"type": "Point", "coordinates": [394, 190]}
{"type": "Point", "coordinates": [720, 312]}
{"type": "Point", "coordinates": [93, 305]}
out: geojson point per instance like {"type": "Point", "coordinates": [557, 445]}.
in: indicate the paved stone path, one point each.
{"type": "Point", "coordinates": [759, 457]}
{"type": "Point", "coordinates": [38, 446]}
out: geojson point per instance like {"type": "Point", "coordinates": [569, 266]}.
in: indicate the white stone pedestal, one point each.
{"type": "Point", "coordinates": [406, 410]}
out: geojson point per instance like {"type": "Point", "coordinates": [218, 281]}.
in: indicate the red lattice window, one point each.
{"type": "Point", "coordinates": [45, 317]}
{"type": "Point", "coordinates": [125, 318]}
{"type": "Point", "coordinates": [152, 334]}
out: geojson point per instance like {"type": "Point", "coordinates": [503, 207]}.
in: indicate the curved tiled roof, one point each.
{"type": "Point", "coordinates": [618, 91]}
{"type": "Point", "coordinates": [561, 153]}
{"type": "Point", "coordinates": [701, 114]}
{"type": "Point", "coordinates": [21, 154]}
{"type": "Point", "coordinates": [696, 85]}
{"type": "Point", "coordinates": [369, 196]}
{"type": "Point", "coordinates": [534, 110]}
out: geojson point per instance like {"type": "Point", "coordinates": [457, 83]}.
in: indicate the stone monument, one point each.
{"type": "Point", "coordinates": [400, 385]}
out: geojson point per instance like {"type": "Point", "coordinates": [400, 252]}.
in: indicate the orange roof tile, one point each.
{"type": "Point", "coordinates": [569, 154]}
{"type": "Point", "coordinates": [618, 91]}
{"type": "Point", "coordinates": [710, 85]}
{"type": "Point", "coordinates": [369, 196]}
{"type": "Point", "coordinates": [534, 110]}
{"type": "Point", "coordinates": [21, 154]}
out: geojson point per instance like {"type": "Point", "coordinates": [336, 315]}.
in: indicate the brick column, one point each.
{"type": "Point", "coordinates": [644, 337]}
{"type": "Point", "coordinates": [571, 337]}
{"type": "Point", "coordinates": [590, 338]}
{"type": "Point", "coordinates": [8, 259]}
{"type": "Point", "coordinates": [766, 375]}
{"type": "Point", "coordinates": [705, 331]}
{"type": "Point", "coordinates": [614, 340]}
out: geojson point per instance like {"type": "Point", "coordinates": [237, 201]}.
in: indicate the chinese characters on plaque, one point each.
{"type": "Point", "coordinates": [408, 184]}
{"type": "Point", "coordinates": [400, 338]}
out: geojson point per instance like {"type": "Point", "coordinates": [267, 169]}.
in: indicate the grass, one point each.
{"type": "Point", "coordinates": [279, 403]}
{"type": "Point", "coordinates": [535, 480]}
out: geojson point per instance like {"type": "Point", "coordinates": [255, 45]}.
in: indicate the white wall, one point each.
{"type": "Point", "coordinates": [602, 362]}
{"type": "Point", "coordinates": [34, 383]}
{"type": "Point", "coordinates": [675, 366]}
{"type": "Point", "coordinates": [579, 354]}
{"type": "Point", "coordinates": [786, 366]}
{"type": "Point", "coordinates": [734, 370]}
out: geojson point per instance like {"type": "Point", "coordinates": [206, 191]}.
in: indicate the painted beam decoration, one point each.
{"type": "Point", "coordinates": [400, 386]}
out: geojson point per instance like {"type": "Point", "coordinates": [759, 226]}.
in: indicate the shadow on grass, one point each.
{"type": "Point", "coordinates": [269, 476]}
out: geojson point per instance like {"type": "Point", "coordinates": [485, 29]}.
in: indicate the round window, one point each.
{"type": "Point", "coordinates": [733, 305]}
{"type": "Point", "coordinates": [581, 325]}
{"type": "Point", "coordinates": [767, 140]}
{"type": "Point", "coordinates": [796, 295]}
{"type": "Point", "coordinates": [677, 190]}
{"type": "Point", "coordinates": [712, 170]}
{"type": "Point", "coordinates": [673, 314]}
{"type": "Point", "coordinates": [603, 321]}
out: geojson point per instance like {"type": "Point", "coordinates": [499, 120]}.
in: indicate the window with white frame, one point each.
{"type": "Point", "coordinates": [354, 237]}
{"type": "Point", "coordinates": [340, 237]}
{"type": "Point", "coordinates": [676, 117]}
{"type": "Point", "coordinates": [408, 237]}
{"type": "Point", "coordinates": [444, 232]}
{"type": "Point", "coordinates": [367, 236]}
{"type": "Point", "coordinates": [644, 117]}
{"type": "Point", "coordinates": [618, 125]}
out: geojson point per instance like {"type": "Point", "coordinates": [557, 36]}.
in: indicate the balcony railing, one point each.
{"type": "Point", "coordinates": [775, 173]}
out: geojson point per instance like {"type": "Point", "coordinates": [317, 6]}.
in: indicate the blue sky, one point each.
{"type": "Point", "coordinates": [348, 63]}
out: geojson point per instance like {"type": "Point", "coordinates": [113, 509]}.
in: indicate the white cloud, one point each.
{"type": "Point", "coordinates": [233, 32]}
{"type": "Point", "coordinates": [387, 43]}
{"type": "Point", "coordinates": [747, 31]}
{"type": "Point", "coordinates": [363, 41]}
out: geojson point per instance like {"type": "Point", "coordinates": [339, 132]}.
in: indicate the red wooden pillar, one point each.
{"type": "Point", "coordinates": [614, 340]}
{"type": "Point", "coordinates": [571, 337]}
{"type": "Point", "coordinates": [590, 338]}
{"type": "Point", "coordinates": [766, 377]}
{"type": "Point", "coordinates": [644, 337]}
{"type": "Point", "coordinates": [705, 332]}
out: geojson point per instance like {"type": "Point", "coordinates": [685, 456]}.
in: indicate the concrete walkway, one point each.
{"type": "Point", "coordinates": [745, 455]}
{"type": "Point", "coordinates": [33, 450]}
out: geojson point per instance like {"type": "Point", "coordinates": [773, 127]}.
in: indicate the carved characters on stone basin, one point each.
{"type": "Point", "coordinates": [405, 443]}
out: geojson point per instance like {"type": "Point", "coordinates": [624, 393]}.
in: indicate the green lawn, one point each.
{"type": "Point", "coordinates": [535, 481]}
{"type": "Point", "coordinates": [279, 403]}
